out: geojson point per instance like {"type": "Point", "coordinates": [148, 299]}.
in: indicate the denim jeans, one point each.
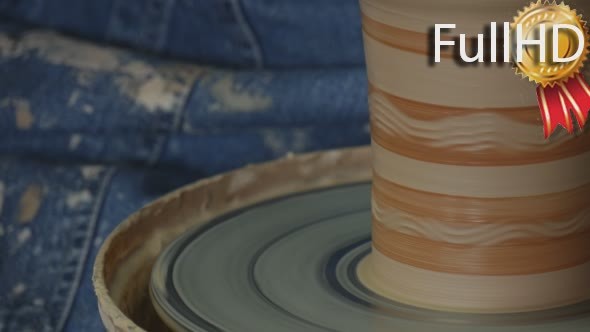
{"type": "Point", "coordinates": [238, 33]}
{"type": "Point", "coordinates": [133, 98]}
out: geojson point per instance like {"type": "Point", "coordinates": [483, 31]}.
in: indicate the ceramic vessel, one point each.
{"type": "Point", "coordinates": [473, 210]}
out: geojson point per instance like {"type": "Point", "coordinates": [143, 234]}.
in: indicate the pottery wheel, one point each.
{"type": "Point", "coordinates": [291, 265]}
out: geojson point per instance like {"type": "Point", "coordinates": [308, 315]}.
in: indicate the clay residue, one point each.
{"type": "Point", "coordinates": [30, 202]}
{"type": "Point", "coordinates": [240, 181]}
{"type": "Point", "coordinates": [274, 142]}
{"type": "Point", "coordinates": [73, 98]}
{"type": "Point", "coordinates": [76, 199]}
{"type": "Point", "coordinates": [75, 141]}
{"type": "Point", "coordinates": [153, 88]}
{"type": "Point", "coordinates": [23, 236]}
{"type": "Point", "coordinates": [88, 109]}
{"type": "Point", "coordinates": [19, 289]}
{"type": "Point", "coordinates": [331, 157]}
{"type": "Point", "coordinates": [24, 118]}
{"type": "Point", "coordinates": [231, 97]}
{"type": "Point", "coordinates": [300, 140]}
{"type": "Point", "coordinates": [60, 51]}
{"type": "Point", "coordinates": [85, 78]}
{"type": "Point", "coordinates": [7, 46]}
{"type": "Point", "coordinates": [155, 93]}
{"type": "Point", "coordinates": [91, 172]}
{"type": "Point", "coordinates": [138, 69]}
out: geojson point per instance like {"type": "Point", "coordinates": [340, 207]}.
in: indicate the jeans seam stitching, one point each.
{"type": "Point", "coordinates": [110, 22]}
{"type": "Point", "coordinates": [175, 126]}
{"type": "Point", "coordinates": [86, 249]}
{"type": "Point", "coordinates": [248, 32]}
{"type": "Point", "coordinates": [40, 6]}
{"type": "Point", "coordinates": [164, 24]}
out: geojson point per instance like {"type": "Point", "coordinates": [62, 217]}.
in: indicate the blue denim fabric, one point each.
{"type": "Point", "coordinates": [89, 133]}
{"type": "Point", "coordinates": [245, 33]}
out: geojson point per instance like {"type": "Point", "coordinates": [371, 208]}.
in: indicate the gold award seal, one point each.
{"type": "Point", "coordinates": [549, 73]}
{"type": "Point", "coordinates": [561, 88]}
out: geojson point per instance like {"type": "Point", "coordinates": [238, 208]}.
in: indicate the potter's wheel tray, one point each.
{"type": "Point", "coordinates": [272, 247]}
{"type": "Point", "coordinates": [290, 264]}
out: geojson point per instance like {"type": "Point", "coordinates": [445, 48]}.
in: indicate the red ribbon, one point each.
{"type": "Point", "coordinates": [558, 102]}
